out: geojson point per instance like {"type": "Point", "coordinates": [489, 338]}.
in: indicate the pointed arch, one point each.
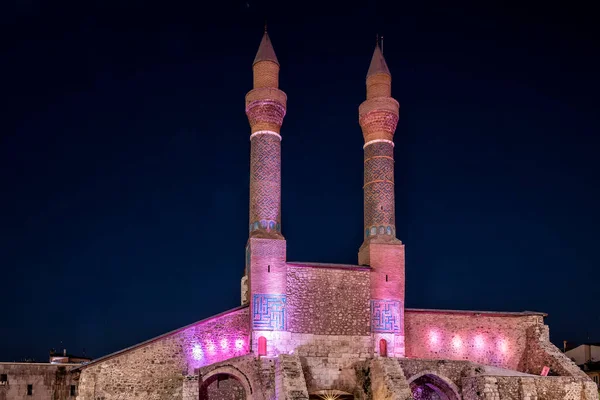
{"type": "Point", "coordinates": [433, 381]}
{"type": "Point", "coordinates": [231, 371]}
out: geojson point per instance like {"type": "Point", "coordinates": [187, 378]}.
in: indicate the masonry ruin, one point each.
{"type": "Point", "coordinates": [295, 337]}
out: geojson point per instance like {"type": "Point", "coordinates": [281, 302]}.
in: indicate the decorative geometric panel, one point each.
{"type": "Point", "coordinates": [379, 204]}
{"type": "Point", "coordinates": [265, 180]}
{"type": "Point", "coordinates": [386, 316]}
{"type": "Point", "coordinates": [268, 312]}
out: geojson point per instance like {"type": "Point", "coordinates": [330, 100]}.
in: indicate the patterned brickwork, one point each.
{"type": "Point", "coordinates": [265, 183]}
{"type": "Point", "coordinates": [386, 316]}
{"type": "Point", "coordinates": [378, 118]}
{"type": "Point", "coordinates": [265, 108]}
{"type": "Point", "coordinates": [268, 312]}
{"type": "Point", "coordinates": [378, 124]}
{"type": "Point", "coordinates": [265, 114]}
{"type": "Point", "coordinates": [379, 201]}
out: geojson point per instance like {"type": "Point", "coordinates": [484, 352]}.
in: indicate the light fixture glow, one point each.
{"type": "Point", "coordinates": [211, 347]}
{"type": "Point", "coordinates": [502, 345]}
{"type": "Point", "coordinates": [239, 344]}
{"type": "Point", "coordinates": [197, 352]}
{"type": "Point", "coordinates": [456, 342]}
{"type": "Point", "coordinates": [434, 337]}
{"type": "Point", "coordinates": [479, 343]}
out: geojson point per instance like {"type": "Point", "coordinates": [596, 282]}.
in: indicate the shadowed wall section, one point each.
{"type": "Point", "coordinates": [157, 368]}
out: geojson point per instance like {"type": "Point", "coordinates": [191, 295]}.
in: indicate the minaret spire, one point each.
{"type": "Point", "coordinates": [378, 64]}
{"type": "Point", "coordinates": [265, 280]}
{"type": "Point", "coordinates": [265, 108]}
{"type": "Point", "coordinates": [265, 50]}
{"type": "Point", "coordinates": [378, 117]}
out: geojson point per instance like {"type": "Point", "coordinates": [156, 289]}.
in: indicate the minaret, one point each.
{"type": "Point", "coordinates": [265, 277]}
{"type": "Point", "coordinates": [378, 117]}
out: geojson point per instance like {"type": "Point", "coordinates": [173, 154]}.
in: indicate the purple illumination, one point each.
{"type": "Point", "coordinates": [502, 345]}
{"type": "Point", "coordinates": [210, 346]}
{"type": "Point", "coordinates": [434, 337]}
{"type": "Point", "coordinates": [479, 342]}
{"type": "Point", "coordinates": [197, 352]}
{"type": "Point", "coordinates": [208, 342]}
{"type": "Point", "coordinates": [456, 342]}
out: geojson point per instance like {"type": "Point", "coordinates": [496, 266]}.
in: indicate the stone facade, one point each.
{"type": "Point", "coordinates": [44, 381]}
{"type": "Point", "coordinates": [315, 306]}
{"type": "Point", "coordinates": [305, 329]}
{"type": "Point", "coordinates": [487, 338]}
{"type": "Point", "coordinates": [157, 369]}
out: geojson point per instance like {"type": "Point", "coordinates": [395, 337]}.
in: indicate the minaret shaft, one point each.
{"type": "Point", "coordinates": [265, 280]}
{"type": "Point", "coordinates": [378, 189]}
{"type": "Point", "coordinates": [265, 182]}
{"type": "Point", "coordinates": [378, 118]}
{"type": "Point", "coordinates": [265, 108]}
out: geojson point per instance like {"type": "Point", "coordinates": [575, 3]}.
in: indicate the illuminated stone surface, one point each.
{"type": "Point", "coordinates": [323, 327]}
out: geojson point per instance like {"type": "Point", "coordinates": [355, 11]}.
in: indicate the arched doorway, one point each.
{"type": "Point", "coordinates": [330, 395]}
{"type": "Point", "coordinates": [222, 386]}
{"type": "Point", "coordinates": [383, 348]}
{"type": "Point", "coordinates": [262, 346]}
{"type": "Point", "coordinates": [428, 386]}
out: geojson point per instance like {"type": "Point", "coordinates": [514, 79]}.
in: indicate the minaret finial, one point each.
{"type": "Point", "coordinates": [265, 25]}
{"type": "Point", "coordinates": [265, 50]}
{"type": "Point", "coordinates": [381, 44]}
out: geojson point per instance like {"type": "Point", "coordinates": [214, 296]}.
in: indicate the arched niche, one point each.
{"type": "Point", "coordinates": [225, 383]}
{"type": "Point", "coordinates": [428, 385]}
{"type": "Point", "coordinates": [331, 394]}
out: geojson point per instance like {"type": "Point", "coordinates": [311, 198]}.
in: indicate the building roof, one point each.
{"type": "Point", "coordinates": [475, 312]}
{"type": "Point", "coordinates": [329, 265]}
{"type": "Point", "coordinates": [265, 50]}
{"type": "Point", "coordinates": [575, 346]}
{"type": "Point", "coordinates": [378, 64]}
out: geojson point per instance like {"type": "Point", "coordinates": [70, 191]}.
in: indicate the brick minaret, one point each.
{"type": "Point", "coordinates": [378, 117]}
{"type": "Point", "coordinates": [265, 277]}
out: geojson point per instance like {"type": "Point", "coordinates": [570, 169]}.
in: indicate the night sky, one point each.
{"type": "Point", "coordinates": [124, 158]}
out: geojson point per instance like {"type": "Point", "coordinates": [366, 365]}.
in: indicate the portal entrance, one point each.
{"type": "Point", "coordinates": [330, 395]}
{"type": "Point", "coordinates": [432, 387]}
{"type": "Point", "coordinates": [222, 387]}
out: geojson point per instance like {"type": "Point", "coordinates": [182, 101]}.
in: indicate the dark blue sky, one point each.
{"type": "Point", "coordinates": [124, 157]}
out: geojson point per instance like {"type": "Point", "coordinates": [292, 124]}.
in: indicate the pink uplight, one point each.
{"type": "Point", "coordinates": [502, 345]}
{"type": "Point", "coordinates": [434, 337]}
{"type": "Point", "coordinates": [197, 352]}
{"type": "Point", "coordinates": [479, 342]}
{"type": "Point", "coordinates": [211, 347]}
{"type": "Point", "coordinates": [456, 342]}
{"type": "Point", "coordinates": [224, 344]}
{"type": "Point", "coordinates": [239, 344]}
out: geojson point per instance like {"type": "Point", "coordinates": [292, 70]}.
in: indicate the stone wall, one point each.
{"type": "Point", "coordinates": [49, 381]}
{"type": "Point", "coordinates": [255, 375]}
{"type": "Point", "coordinates": [225, 389]}
{"type": "Point", "coordinates": [157, 369]}
{"type": "Point", "coordinates": [486, 338]}
{"type": "Point", "coordinates": [329, 362]}
{"type": "Point", "coordinates": [290, 378]}
{"type": "Point", "coordinates": [542, 388]}
{"type": "Point", "coordinates": [327, 300]}
{"type": "Point", "coordinates": [541, 353]}
{"type": "Point", "coordinates": [388, 380]}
